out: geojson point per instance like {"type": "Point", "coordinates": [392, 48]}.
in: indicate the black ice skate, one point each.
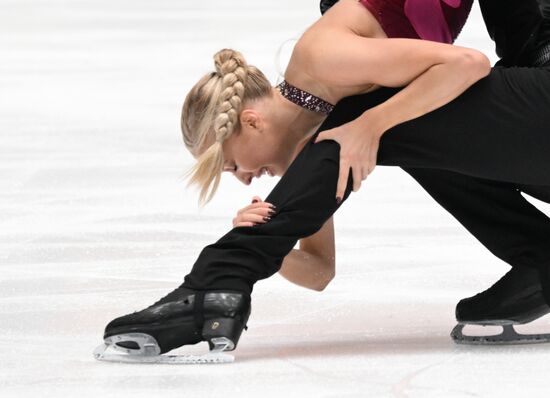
{"type": "Point", "coordinates": [182, 317]}
{"type": "Point", "coordinates": [517, 298]}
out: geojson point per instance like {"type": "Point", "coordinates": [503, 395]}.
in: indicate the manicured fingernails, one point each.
{"type": "Point", "coordinates": [267, 218]}
{"type": "Point", "coordinates": [338, 200]}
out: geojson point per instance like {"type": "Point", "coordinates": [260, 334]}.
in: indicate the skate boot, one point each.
{"type": "Point", "coordinates": [183, 317]}
{"type": "Point", "coordinates": [517, 298]}
{"type": "Point", "coordinates": [540, 56]}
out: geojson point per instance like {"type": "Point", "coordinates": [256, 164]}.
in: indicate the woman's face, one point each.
{"type": "Point", "coordinates": [256, 149]}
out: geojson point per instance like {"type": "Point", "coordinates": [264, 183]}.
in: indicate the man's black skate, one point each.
{"type": "Point", "coordinates": [540, 54]}
{"type": "Point", "coordinates": [182, 317]}
{"type": "Point", "coordinates": [517, 298]}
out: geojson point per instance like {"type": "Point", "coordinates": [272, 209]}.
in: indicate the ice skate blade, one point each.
{"type": "Point", "coordinates": [146, 350]}
{"type": "Point", "coordinates": [211, 357]}
{"type": "Point", "coordinates": [508, 337]}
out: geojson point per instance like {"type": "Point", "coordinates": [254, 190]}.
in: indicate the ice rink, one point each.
{"type": "Point", "coordinates": [95, 222]}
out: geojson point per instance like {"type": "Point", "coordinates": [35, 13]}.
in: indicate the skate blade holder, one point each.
{"type": "Point", "coordinates": [508, 336]}
{"type": "Point", "coordinates": [143, 348]}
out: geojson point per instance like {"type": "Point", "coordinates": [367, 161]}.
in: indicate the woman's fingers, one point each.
{"type": "Point", "coordinates": [342, 180]}
{"type": "Point", "coordinates": [255, 206]}
{"type": "Point", "coordinates": [357, 177]}
{"type": "Point", "coordinates": [256, 213]}
{"type": "Point", "coordinates": [251, 220]}
{"type": "Point", "coordinates": [373, 156]}
{"type": "Point", "coordinates": [359, 173]}
{"type": "Point", "coordinates": [244, 224]}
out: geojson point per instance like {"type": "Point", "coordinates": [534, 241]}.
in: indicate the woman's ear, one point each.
{"type": "Point", "coordinates": [250, 118]}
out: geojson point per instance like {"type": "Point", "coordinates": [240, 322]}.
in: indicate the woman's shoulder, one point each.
{"type": "Point", "coordinates": [345, 20]}
{"type": "Point", "coordinates": [352, 17]}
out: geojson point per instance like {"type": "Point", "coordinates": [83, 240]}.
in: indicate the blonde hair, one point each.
{"type": "Point", "coordinates": [211, 110]}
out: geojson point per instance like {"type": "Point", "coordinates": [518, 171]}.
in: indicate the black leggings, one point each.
{"type": "Point", "coordinates": [491, 141]}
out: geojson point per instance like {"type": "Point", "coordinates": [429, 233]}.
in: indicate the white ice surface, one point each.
{"type": "Point", "coordinates": [95, 223]}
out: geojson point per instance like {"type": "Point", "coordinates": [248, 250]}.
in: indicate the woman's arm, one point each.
{"type": "Point", "coordinates": [433, 73]}
{"type": "Point", "coordinates": [313, 265]}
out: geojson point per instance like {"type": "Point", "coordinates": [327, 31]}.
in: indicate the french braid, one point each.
{"type": "Point", "coordinates": [211, 113]}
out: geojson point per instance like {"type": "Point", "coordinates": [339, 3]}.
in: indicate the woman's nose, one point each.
{"type": "Point", "coordinates": [245, 177]}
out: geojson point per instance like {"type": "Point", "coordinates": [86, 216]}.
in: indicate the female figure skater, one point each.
{"type": "Point", "coordinates": [213, 303]}
{"type": "Point", "coordinates": [333, 72]}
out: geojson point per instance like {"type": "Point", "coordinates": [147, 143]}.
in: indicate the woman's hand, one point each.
{"type": "Point", "coordinates": [358, 150]}
{"type": "Point", "coordinates": [256, 213]}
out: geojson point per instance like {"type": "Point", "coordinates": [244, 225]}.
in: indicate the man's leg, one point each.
{"type": "Point", "coordinates": [494, 212]}
{"type": "Point", "coordinates": [513, 230]}
{"type": "Point", "coordinates": [522, 295]}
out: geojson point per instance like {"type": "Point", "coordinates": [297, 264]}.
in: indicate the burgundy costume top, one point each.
{"type": "Point", "coordinates": [436, 20]}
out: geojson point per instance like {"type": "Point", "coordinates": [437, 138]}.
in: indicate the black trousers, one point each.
{"type": "Point", "coordinates": [513, 25]}
{"type": "Point", "coordinates": [472, 155]}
